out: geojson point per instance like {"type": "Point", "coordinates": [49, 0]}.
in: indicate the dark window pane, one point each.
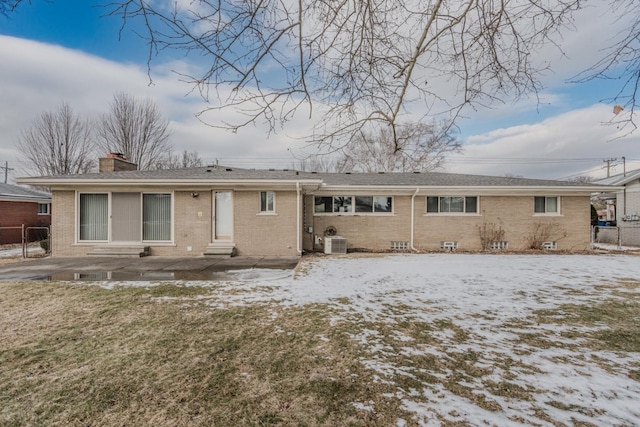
{"type": "Point", "coordinates": [432, 204]}
{"type": "Point", "coordinates": [539, 205]}
{"type": "Point", "coordinates": [471, 204]}
{"type": "Point", "coordinates": [364, 204]}
{"type": "Point", "coordinates": [323, 204]}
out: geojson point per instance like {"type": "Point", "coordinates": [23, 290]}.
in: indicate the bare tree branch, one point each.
{"type": "Point", "coordinates": [58, 143]}
{"type": "Point", "coordinates": [363, 64]}
{"type": "Point", "coordinates": [186, 159]}
{"type": "Point", "coordinates": [135, 129]}
{"type": "Point", "coordinates": [413, 147]}
{"type": "Point", "coordinates": [621, 62]}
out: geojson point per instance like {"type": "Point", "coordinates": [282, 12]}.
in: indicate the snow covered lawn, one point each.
{"type": "Point", "coordinates": [359, 340]}
{"type": "Point", "coordinates": [481, 339]}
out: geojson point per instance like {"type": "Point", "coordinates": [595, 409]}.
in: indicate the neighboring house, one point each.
{"type": "Point", "coordinates": [220, 210]}
{"type": "Point", "coordinates": [623, 209]}
{"type": "Point", "coordinates": [21, 205]}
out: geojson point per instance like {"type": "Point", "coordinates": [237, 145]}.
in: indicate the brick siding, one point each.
{"type": "Point", "coordinates": [276, 234]}
{"type": "Point", "coordinates": [513, 214]}
{"type": "Point", "coordinates": [14, 214]}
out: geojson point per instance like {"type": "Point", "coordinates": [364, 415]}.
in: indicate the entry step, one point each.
{"type": "Point", "coordinates": [129, 250]}
{"type": "Point", "coordinates": [221, 249]}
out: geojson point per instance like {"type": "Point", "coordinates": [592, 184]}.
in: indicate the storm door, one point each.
{"type": "Point", "coordinates": [223, 215]}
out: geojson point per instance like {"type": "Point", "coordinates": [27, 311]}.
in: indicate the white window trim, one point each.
{"type": "Point", "coordinates": [173, 218]}
{"type": "Point", "coordinates": [547, 214]}
{"type": "Point", "coordinates": [79, 242]}
{"type": "Point", "coordinates": [77, 221]}
{"type": "Point", "coordinates": [48, 212]}
{"type": "Point", "coordinates": [461, 214]}
{"type": "Point", "coordinates": [267, 212]}
{"type": "Point", "coordinates": [353, 205]}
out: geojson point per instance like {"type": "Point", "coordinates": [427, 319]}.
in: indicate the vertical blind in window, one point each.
{"type": "Point", "coordinates": [156, 216]}
{"type": "Point", "coordinates": [94, 213]}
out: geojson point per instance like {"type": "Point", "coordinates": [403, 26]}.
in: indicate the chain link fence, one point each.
{"type": "Point", "coordinates": [627, 235]}
{"type": "Point", "coordinates": [25, 235]}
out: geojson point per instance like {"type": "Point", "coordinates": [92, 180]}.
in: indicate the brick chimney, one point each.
{"type": "Point", "coordinates": [115, 162]}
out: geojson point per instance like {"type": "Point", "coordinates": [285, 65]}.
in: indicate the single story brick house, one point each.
{"type": "Point", "coordinates": [223, 210]}
{"type": "Point", "coordinates": [22, 206]}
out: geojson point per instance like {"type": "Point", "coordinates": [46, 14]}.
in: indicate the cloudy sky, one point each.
{"type": "Point", "coordinates": [59, 51]}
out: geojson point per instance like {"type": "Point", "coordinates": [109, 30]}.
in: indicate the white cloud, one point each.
{"type": "Point", "coordinates": [573, 143]}
{"type": "Point", "coordinates": [38, 77]}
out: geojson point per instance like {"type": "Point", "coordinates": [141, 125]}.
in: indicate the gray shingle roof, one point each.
{"type": "Point", "coordinates": [438, 179]}
{"type": "Point", "coordinates": [19, 192]}
{"type": "Point", "coordinates": [231, 174]}
{"type": "Point", "coordinates": [355, 178]}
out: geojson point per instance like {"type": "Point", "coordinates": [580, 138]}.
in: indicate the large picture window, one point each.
{"type": "Point", "coordinates": [353, 204]}
{"type": "Point", "coordinates": [94, 217]}
{"type": "Point", "coordinates": [134, 217]}
{"type": "Point", "coordinates": [452, 204]}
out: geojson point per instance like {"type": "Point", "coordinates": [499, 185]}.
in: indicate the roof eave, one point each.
{"type": "Point", "coordinates": [173, 183]}
{"type": "Point", "coordinates": [468, 190]}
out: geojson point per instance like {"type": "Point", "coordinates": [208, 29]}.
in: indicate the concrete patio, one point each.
{"type": "Point", "coordinates": [146, 268]}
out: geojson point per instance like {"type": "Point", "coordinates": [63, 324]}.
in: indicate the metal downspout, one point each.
{"type": "Point", "coordinates": [413, 211]}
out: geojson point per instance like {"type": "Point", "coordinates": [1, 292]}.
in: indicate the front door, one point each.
{"type": "Point", "coordinates": [223, 215]}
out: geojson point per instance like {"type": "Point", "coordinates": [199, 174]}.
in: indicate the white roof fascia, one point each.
{"type": "Point", "coordinates": [465, 190]}
{"type": "Point", "coordinates": [31, 199]}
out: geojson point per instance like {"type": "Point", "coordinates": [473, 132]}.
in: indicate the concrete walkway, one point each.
{"type": "Point", "coordinates": [140, 269]}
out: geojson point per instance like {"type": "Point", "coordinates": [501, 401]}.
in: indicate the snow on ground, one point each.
{"type": "Point", "coordinates": [15, 251]}
{"type": "Point", "coordinates": [490, 362]}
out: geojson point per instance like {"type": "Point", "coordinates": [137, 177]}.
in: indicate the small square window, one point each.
{"type": "Point", "coordinates": [43, 208]}
{"type": "Point", "coordinates": [267, 201]}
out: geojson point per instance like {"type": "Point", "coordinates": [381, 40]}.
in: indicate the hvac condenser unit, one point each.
{"type": "Point", "coordinates": [335, 245]}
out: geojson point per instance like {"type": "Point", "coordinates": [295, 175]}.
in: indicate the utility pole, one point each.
{"type": "Point", "coordinates": [608, 162]}
{"type": "Point", "coordinates": [6, 170]}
